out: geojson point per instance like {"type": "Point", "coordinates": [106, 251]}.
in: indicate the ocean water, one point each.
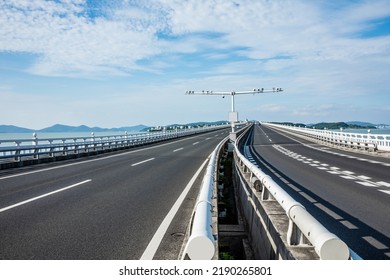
{"type": "Point", "coordinates": [385, 131]}
{"type": "Point", "coordinates": [46, 135]}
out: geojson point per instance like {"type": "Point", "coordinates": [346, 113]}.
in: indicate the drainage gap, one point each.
{"type": "Point", "coordinates": [232, 237]}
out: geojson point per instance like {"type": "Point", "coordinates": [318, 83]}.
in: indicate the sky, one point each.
{"type": "Point", "coordinates": [121, 63]}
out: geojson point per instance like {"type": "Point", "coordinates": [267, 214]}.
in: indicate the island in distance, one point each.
{"type": "Point", "coordinates": [67, 128]}
{"type": "Point", "coordinates": [83, 128]}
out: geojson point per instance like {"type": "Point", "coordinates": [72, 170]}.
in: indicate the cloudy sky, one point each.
{"type": "Point", "coordinates": [116, 63]}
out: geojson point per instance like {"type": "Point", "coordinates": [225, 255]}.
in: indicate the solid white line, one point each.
{"type": "Point", "coordinates": [134, 164]}
{"type": "Point", "coordinates": [158, 236]}
{"type": "Point", "coordinates": [42, 196]}
{"type": "Point", "coordinates": [178, 150]}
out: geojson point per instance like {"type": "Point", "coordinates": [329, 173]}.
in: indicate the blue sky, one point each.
{"type": "Point", "coordinates": [118, 63]}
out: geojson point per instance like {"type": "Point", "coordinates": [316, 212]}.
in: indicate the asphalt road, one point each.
{"type": "Point", "coordinates": [348, 193]}
{"type": "Point", "coordinates": [103, 207]}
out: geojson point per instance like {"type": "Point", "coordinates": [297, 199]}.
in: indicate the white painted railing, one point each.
{"type": "Point", "coordinates": [302, 225]}
{"type": "Point", "coordinates": [35, 147]}
{"type": "Point", "coordinates": [201, 243]}
{"type": "Point", "coordinates": [368, 141]}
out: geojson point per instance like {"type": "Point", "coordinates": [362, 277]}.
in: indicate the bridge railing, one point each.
{"type": "Point", "coordinates": [201, 243]}
{"type": "Point", "coordinates": [17, 149]}
{"type": "Point", "coordinates": [303, 228]}
{"type": "Point", "coordinates": [368, 141]}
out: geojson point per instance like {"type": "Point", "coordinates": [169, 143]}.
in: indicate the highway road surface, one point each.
{"type": "Point", "coordinates": [349, 193]}
{"type": "Point", "coordinates": [112, 206]}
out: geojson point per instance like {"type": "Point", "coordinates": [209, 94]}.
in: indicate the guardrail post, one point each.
{"type": "Point", "coordinates": [17, 151]}
{"type": "Point", "coordinates": [35, 143]}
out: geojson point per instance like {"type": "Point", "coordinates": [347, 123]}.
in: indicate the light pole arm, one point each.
{"type": "Point", "coordinates": [255, 91]}
{"type": "Point", "coordinates": [233, 116]}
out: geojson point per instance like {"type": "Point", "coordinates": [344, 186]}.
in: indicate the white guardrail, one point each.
{"type": "Point", "coordinates": [326, 244]}
{"type": "Point", "coordinates": [17, 149]}
{"type": "Point", "coordinates": [201, 243]}
{"type": "Point", "coordinates": [379, 142]}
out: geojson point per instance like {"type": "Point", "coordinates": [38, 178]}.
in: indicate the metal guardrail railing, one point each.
{"type": "Point", "coordinates": [368, 141]}
{"type": "Point", "coordinates": [201, 243]}
{"type": "Point", "coordinates": [17, 149]}
{"type": "Point", "coordinates": [303, 227]}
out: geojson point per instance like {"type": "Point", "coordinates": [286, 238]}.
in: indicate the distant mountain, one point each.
{"type": "Point", "coordinates": [14, 129]}
{"type": "Point", "coordinates": [67, 128]}
{"type": "Point", "coordinates": [336, 125]}
{"type": "Point", "coordinates": [83, 128]}
{"type": "Point", "coordinates": [361, 123]}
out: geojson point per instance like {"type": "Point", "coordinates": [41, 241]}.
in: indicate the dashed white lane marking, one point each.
{"type": "Point", "coordinates": [141, 162]}
{"type": "Point", "coordinates": [345, 174]}
{"type": "Point", "coordinates": [347, 177]}
{"type": "Point", "coordinates": [322, 168]}
{"type": "Point", "coordinates": [385, 184]}
{"type": "Point", "coordinates": [196, 143]}
{"type": "Point", "coordinates": [326, 150]}
{"type": "Point", "coordinates": [43, 195]}
{"type": "Point", "coordinates": [178, 150]}
{"type": "Point", "coordinates": [367, 184]}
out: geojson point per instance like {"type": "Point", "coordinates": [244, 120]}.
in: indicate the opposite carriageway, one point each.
{"type": "Point", "coordinates": [20, 152]}
{"type": "Point", "coordinates": [348, 192]}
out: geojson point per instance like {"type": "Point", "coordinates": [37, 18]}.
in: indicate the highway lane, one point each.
{"type": "Point", "coordinates": [347, 192]}
{"type": "Point", "coordinates": [105, 207]}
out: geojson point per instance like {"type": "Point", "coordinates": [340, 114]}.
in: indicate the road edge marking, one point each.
{"type": "Point", "coordinates": [154, 243]}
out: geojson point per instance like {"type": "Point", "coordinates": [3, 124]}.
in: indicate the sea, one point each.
{"type": "Point", "coordinates": [47, 135]}
{"type": "Point", "coordinates": [385, 131]}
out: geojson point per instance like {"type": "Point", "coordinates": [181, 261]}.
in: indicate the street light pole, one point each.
{"type": "Point", "coordinates": [233, 115]}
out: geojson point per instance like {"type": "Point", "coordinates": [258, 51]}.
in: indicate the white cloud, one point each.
{"type": "Point", "coordinates": [69, 40]}
{"type": "Point", "coordinates": [313, 49]}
